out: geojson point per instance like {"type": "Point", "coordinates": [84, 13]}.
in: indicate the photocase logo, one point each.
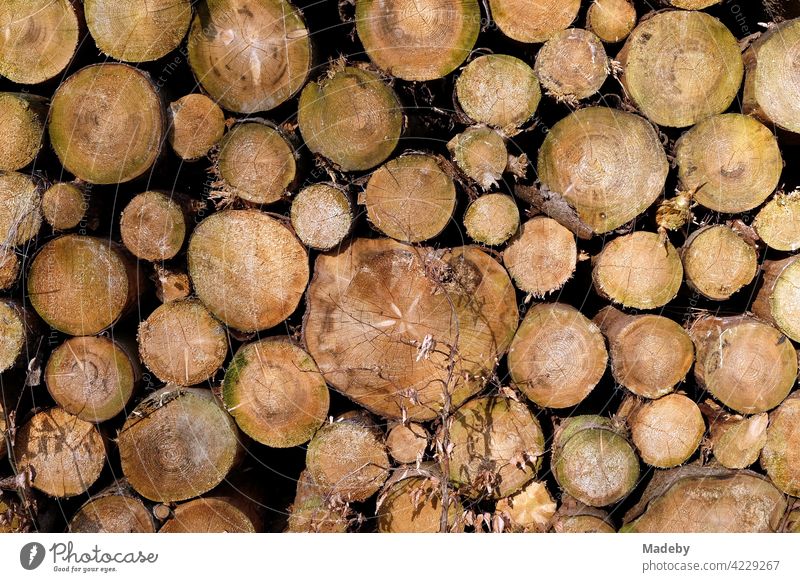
{"type": "Point", "coordinates": [31, 555]}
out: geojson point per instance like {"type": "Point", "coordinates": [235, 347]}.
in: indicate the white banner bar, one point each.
{"type": "Point", "coordinates": [379, 558]}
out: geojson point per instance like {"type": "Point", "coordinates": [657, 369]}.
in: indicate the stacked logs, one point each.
{"type": "Point", "coordinates": [440, 278]}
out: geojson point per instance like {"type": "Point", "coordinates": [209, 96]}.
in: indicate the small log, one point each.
{"type": "Point", "coordinates": [611, 20]}
{"type": "Point", "coordinates": [707, 499]}
{"type": "Point", "coordinates": [771, 90]}
{"type": "Point", "coordinates": [12, 517]}
{"type": "Point", "coordinates": [608, 165]}
{"type": "Point", "coordinates": [137, 31]}
{"type": "Point", "coordinates": [411, 502]}
{"type": "Point", "coordinates": [256, 163]}
{"type": "Point", "coordinates": [153, 226]}
{"type": "Point", "coordinates": [92, 377]}
{"type": "Point", "coordinates": [226, 52]}
{"type": "Point", "coordinates": [171, 284]}
{"type": "Point", "coordinates": [39, 40]}
{"type": "Point", "coordinates": [64, 205]}
{"type": "Point", "coordinates": [650, 354]}
{"type": "Point", "coordinates": [730, 162]}
{"type": "Point", "coordinates": [572, 65]}
{"type": "Point", "coordinates": [181, 342]}
{"type": "Point", "coordinates": [497, 447]}
{"type": "Point", "coordinates": [114, 510]}
{"type": "Point", "coordinates": [66, 453]}
{"type": "Point", "coordinates": [322, 216]}
{"type": "Point", "coordinates": [480, 152]}
{"type": "Point", "coordinates": [778, 222]}
{"type": "Point", "coordinates": [313, 512]}
{"type": "Point", "coordinates": [690, 4]}
{"type": "Point", "coordinates": [392, 327]}
{"type": "Point", "coordinates": [22, 118]}
{"type": "Point", "coordinates": [492, 219]}
{"type": "Point", "coordinates": [557, 357]}
{"type": "Point", "coordinates": [593, 462]}
{"type": "Point", "coordinates": [9, 268]}
{"type": "Point", "coordinates": [237, 281]}
{"type": "Point", "coordinates": [177, 444]}
{"type": "Point", "coordinates": [81, 285]}
{"type": "Point", "coordinates": [680, 67]}
{"type": "Point", "coordinates": [208, 515]}
{"type": "Point", "coordinates": [744, 363]}
{"type": "Point", "coordinates": [20, 209]}
{"type": "Point", "coordinates": [780, 457]}
{"type": "Point", "coordinates": [407, 443]}
{"type": "Point", "coordinates": [778, 299]}
{"type": "Point", "coordinates": [351, 117]}
{"type": "Point", "coordinates": [275, 392]}
{"type": "Point", "coordinates": [418, 40]}
{"type": "Point", "coordinates": [575, 517]}
{"type": "Point", "coordinates": [542, 257]}
{"type": "Point", "coordinates": [18, 328]}
{"type": "Point", "coordinates": [347, 458]}
{"type": "Point", "coordinates": [3, 429]}
{"type": "Point", "coordinates": [533, 20]}
{"type": "Point", "coordinates": [718, 261]}
{"type": "Point", "coordinates": [667, 431]}
{"type": "Point", "coordinates": [197, 124]}
{"type": "Point", "coordinates": [105, 144]}
{"type": "Point", "coordinates": [498, 90]}
{"type": "Point", "coordinates": [736, 441]}
{"type": "Point", "coordinates": [410, 198]}
{"type": "Point", "coordinates": [638, 270]}
{"type": "Point", "coordinates": [529, 510]}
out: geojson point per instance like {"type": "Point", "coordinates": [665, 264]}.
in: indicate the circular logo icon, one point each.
{"type": "Point", "coordinates": [31, 555]}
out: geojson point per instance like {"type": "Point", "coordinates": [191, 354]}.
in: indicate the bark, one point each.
{"type": "Point", "coordinates": [542, 257]}
{"type": "Point", "coordinates": [166, 456]}
{"type": "Point", "coordinates": [105, 144]}
{"type": "Point", "coordinates": [226, 58]}
{"type": "Point", "coordinates": [557, 356]}
{"type": "Point", "coordinates": [275, 392]}
{"type": "Point", "coordinates": [197, 124]}
{"type": "Point", "coordinates": [744, 363]}
{"type": "Point", "coordinates": [718, 262]}
{"type": "Point", "coordinates": [730, 162]}
{"type": "Point", "coordinates": [137, 30]}
{"type": "Point", "coordinates": [609, 166]}
{"type": "Point", "coordinates": [93, 377]}
{"type": "Point", "coordinates": [680, 67]}
{"type": "Point", "coordinates": [572, 65]}
{"type": "Point", "coordinates": [492, 219]}
{"type": "Point", "coordinates": [237, 281]}
{"type": "Point", "coordinates": [392, 327]}
{"type": "Point", "coordinates": [418, 40]}
{"type": "Point", "coordinates": [66, 453]}
{"type": "Point", "coordinates": [40, 39]}
{"type": "Point", "coordinates": [650, 354]}
{"type": "Point", "coordinates": [322, 216]}
{"type": "Point", "coordinates": [22, 118]}
{"type": "Point", "coordinates": [181, 342]}
{"type": "Point", "coordinates": [411, 198]}
{"type": "Point", "coordinates": [540, 22]}
{"type": "Point", "coordinates": [351, 117]}
{"type": "Point", "coordinates": [81, 285]}
{"type": "Point", "coordinates": [638, 270]}
{"type": "Point", "coordinates": [611, 20]}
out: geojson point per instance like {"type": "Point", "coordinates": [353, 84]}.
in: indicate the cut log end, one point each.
{"type": "Point", "coordinates": [275, 392]}
{"type": "Point", "coordinates": [410, 199]}
{"type": "Point", "coordinates": [638, 270]}
{"type": "Point", "coordinates": [530, 510]}
{"type": "Point", "coordinates": [256, 163]}
{"type": "Point", "coordinates": [418, 40]}
{"type": "Point", "coordinates": [499, 90]}
{"type": "Point", "coordinates": [91, 377]}
{"type": "Point", "coordinates": [322, 216]}
{"type": "Point", "coordinates": [112, 514]}
{"type": "Point", "coordinates": [718, 262]}
{"type": "Point", "coordinates": [22, 118]}
{"type": "Point", "coordinates": [492, 219]}
{"type": "Point", "coordinates": [737, 441]}
{"type": "Point", "coordinates": [197, 125]}
{"type": "Point", "coordinates": [9, 268]}
{"type": "Point", "coordinates": [778, 300]}
{"type": "Point", "coordinates": [20, 209]}
{"type": "Point", "coordinates": [66, 453]}
{"type": "Point", "coordinates": [18, 328]}
{"type": "Point", "coordinates": [208, 515]}
{"type": "Point", "coordinates": [541, 19]}
{"type": "Point", "coordinates": [481, 154]}
{"type": "Point", "coordinates": [667, 431]}
{"type": "Point", "coordinates": [413, 505]}
{"type": "Point", "coordinates": [781, 454]}
{"type": "Point", "coordinates": [171, 284]}
{"type": "Point", "coordinates": [611, 20]}
{"type": "Point", "coordinates": [542, 257]}
{"type": "Point", "coordinates": [557, 356]}
{"type": "Point", "coordinates": [351, 117]}
{"type": "Point", "coordinates": [407, 443]}
{"type": "Point", "coordinates": [153, 226]}
{"type": "Point", "coordinates": [572, 65]}
{"type": "Point", "coordinates": [778, 222]}
{"type": "Point", "coordinates": [64, 205]}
